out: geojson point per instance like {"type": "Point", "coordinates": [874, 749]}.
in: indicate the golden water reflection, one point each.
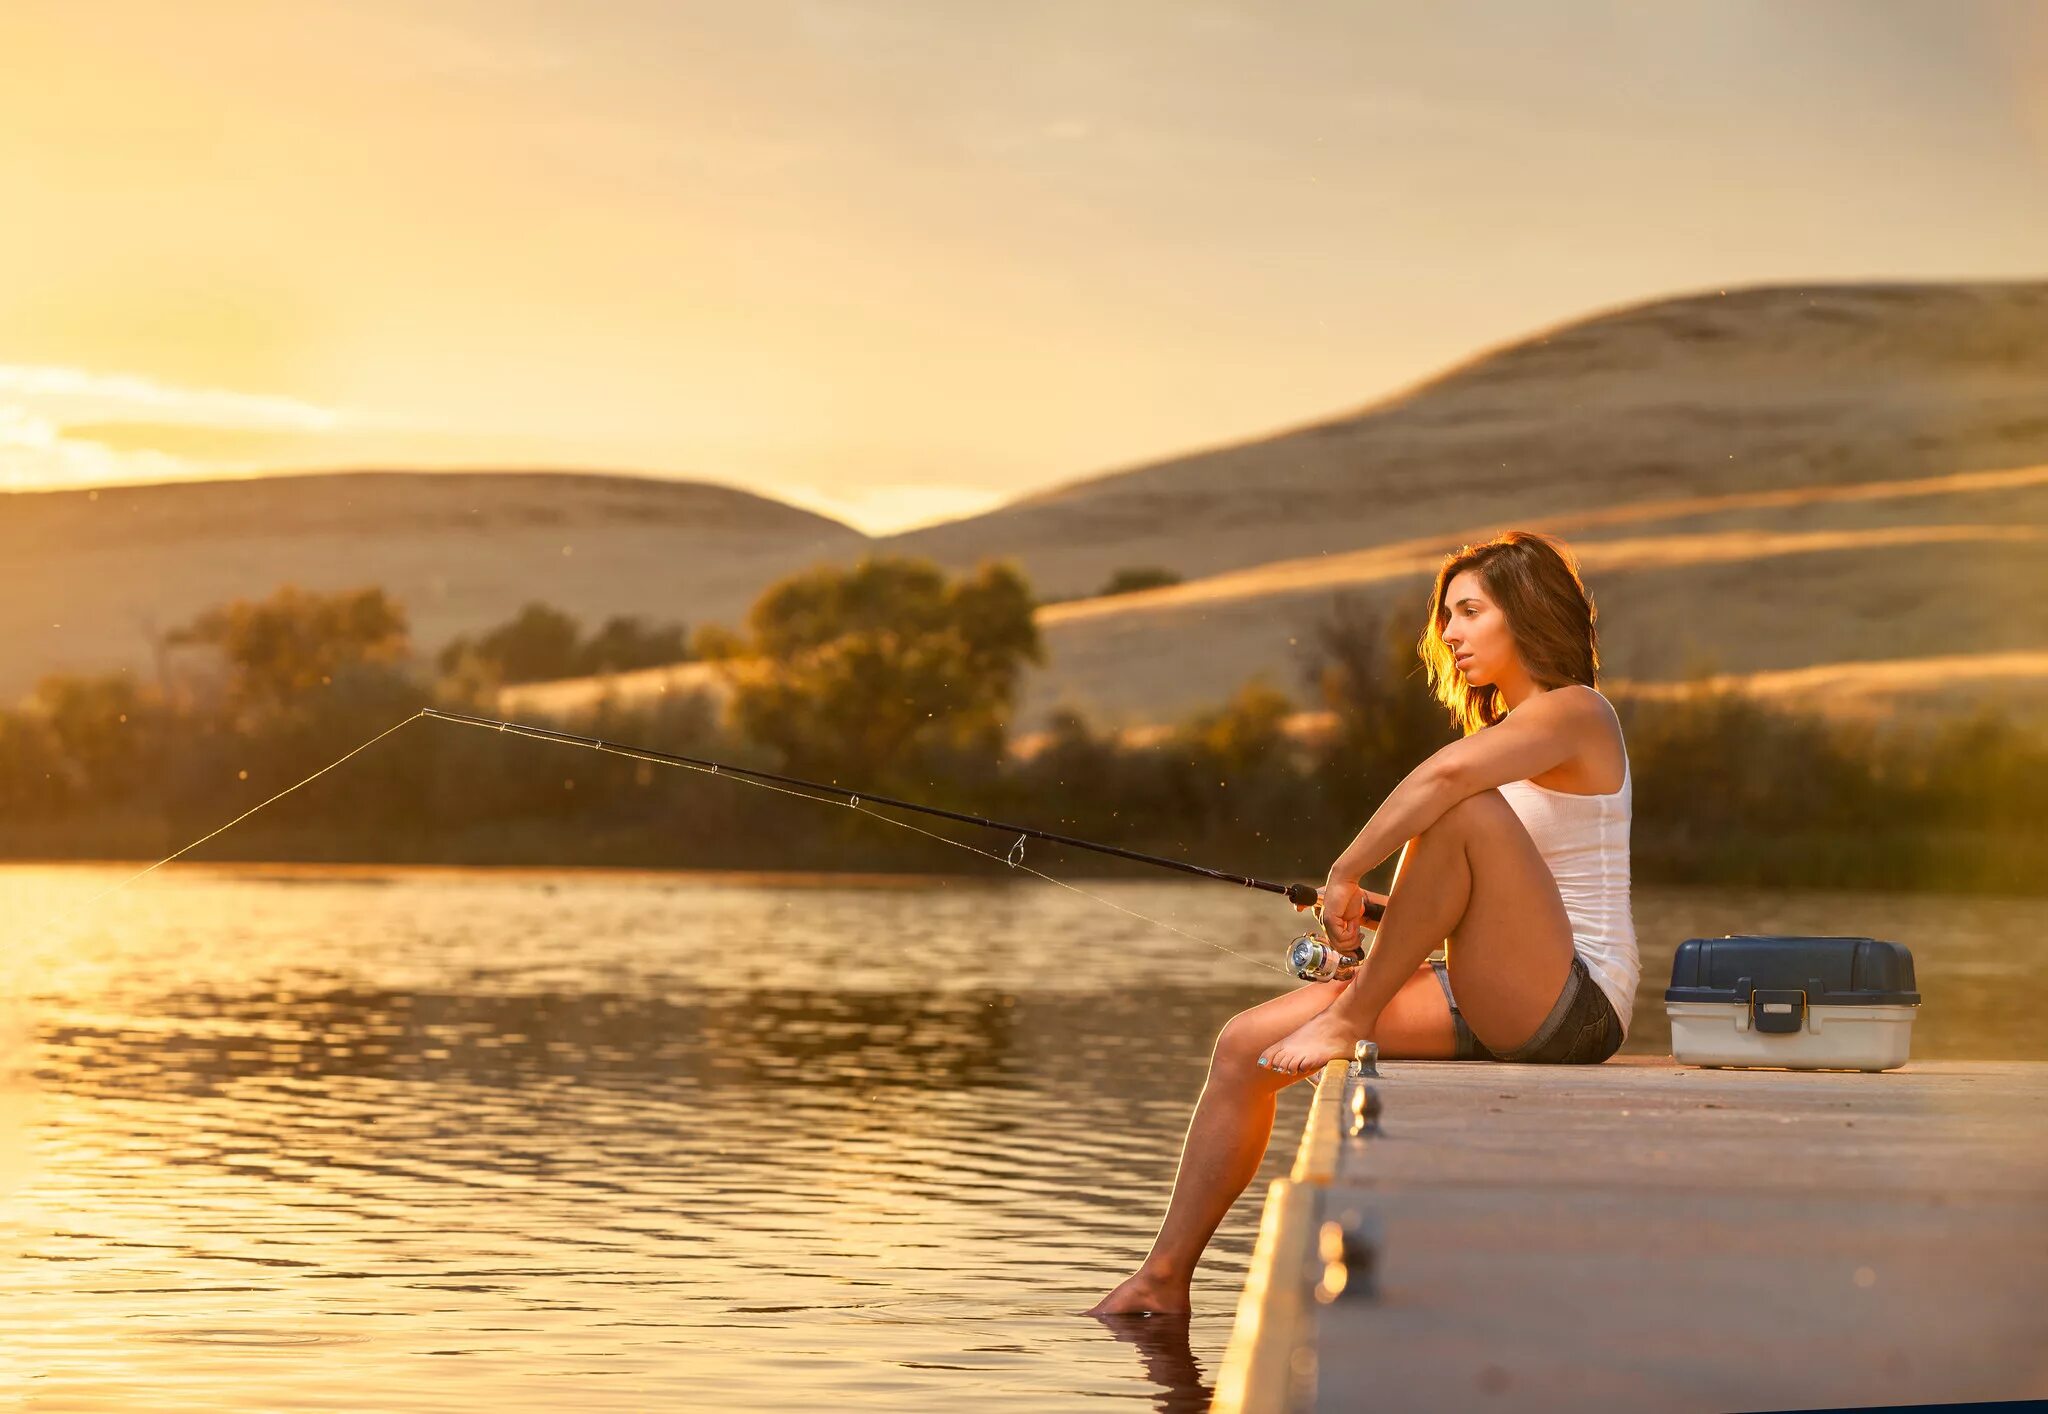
{"type": "Point", "coordinates": [447, 1140]}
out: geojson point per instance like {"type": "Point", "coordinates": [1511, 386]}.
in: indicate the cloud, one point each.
{"type": "Point", "coordinates": [35, 452]}
{"type": "Point", "coordinates": [199, 441]}
{"type": "Point", "coordinates": [70, 394]}
{"type": "Point", "coordinates": [74, 426]}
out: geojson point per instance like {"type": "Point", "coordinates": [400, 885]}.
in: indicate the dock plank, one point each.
{"type": "Point", "coordinates": [1671, 1238]}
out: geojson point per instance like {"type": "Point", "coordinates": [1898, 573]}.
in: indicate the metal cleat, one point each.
{"type": "Point", "coordinates": [1365, 1058]}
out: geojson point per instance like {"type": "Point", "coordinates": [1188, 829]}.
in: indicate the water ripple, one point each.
{"type": "Point", "coordinates": [564, 1139]}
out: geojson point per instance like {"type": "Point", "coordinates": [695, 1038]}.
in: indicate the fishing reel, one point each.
{"type": "Point", "coordinates": [1311, 958]}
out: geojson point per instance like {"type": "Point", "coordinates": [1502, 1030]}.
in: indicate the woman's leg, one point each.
{"type": "Point", "coordinates": [1475, 880]}
{"type": "Point", "coordinates": [1233, 1121]}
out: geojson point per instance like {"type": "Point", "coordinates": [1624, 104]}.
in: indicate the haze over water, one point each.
{"type": "Point", "coordinates": [289, 1138]}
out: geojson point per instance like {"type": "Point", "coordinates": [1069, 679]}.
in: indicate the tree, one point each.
{"type": "Point", "coordinates": [104, 726]}
{"type": "Point", "coordinates": [713, 643]}
{"type": "Point", "coordinates": [1245, 733]}
{"type": "Point", "coordinates": [36, 775]}
{"type": "Point", "coordinates": [625, 643]}
{"type": "Point", "coordinates": [1131, 579]}
{"type": "Point", "coordinates": [296, 641]}
{"type": "Point", "coordinates": [1368, 675]}
{"type": "Point", "coordinates": [541, 643]}
{"type": "Point", "coordinates": [853, 671]}
{"type": "Point", "coordinates": [537, 644]}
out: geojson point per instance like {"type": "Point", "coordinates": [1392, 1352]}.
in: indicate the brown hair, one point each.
{"type": "Point", "coordinates": [1535, 581]}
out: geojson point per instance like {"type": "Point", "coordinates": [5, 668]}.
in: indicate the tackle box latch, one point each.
{"type": "Point", "coordinates": [1777, 1012]}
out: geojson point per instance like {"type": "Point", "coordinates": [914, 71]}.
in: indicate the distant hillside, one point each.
{"type": "Point", "coordinates": [93, 575]}
{"type": "Point", "coordinates": [1759, 482]}
{"type": "Point", "coordinates": [1930, 593]}
{"type": "Point", "coordinates": [1867, 613]}
{"type": "Point", "coordinates": [1755, 389]}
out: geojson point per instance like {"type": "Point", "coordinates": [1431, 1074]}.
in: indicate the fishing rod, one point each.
{"type": "Point", "coordinates": [1309, 956]}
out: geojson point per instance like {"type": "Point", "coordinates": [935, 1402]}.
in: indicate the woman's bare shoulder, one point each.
{"type": "Point", "coordinates": [1590, 701]}
{"type": "Point", "coordinates": [1600, 763]}
{"type": "Point", "coordinates": [1601, 715]}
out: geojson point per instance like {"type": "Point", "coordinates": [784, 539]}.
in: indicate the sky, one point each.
{"type": "Point", "coordinates": [904, 261]}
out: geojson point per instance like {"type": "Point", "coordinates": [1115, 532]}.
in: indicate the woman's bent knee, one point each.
{"type": "Point", "coordinates": [1254, 1031]}
{"type": "Point", "coordinates": [1240, 1043]}
{"type": "Point", "coordinates": [1243, 1039]}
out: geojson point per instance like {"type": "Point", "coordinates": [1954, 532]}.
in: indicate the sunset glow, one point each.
{"type": "Point", "coordinates": [900, 265]}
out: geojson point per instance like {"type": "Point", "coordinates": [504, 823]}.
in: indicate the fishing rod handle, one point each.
{"type": "Point", "coordinates": [1305, 896]}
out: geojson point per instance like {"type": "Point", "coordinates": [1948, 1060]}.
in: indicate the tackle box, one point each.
{"type": "Point", "coordinates": [1800, 1003]}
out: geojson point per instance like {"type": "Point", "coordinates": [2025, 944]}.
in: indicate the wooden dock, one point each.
{"type": "Point", "coordinates": [1644, 1236]}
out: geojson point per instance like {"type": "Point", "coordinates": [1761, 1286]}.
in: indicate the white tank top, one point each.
{"type": "Point", "coordinates": [1584, 840]}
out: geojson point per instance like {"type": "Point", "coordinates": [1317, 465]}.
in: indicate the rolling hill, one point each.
{"type": "Point", "coordinates": [1696, 397]}
{"type": "Point", "coordinates": [96, 575]}
{"type": "Point", "coordinates": [1758, 482]}
{"type": "Point", "coordinates": [1911, 574]}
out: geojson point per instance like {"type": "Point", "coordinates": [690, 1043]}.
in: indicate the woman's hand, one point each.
{"type": "Point", "coordinates": [1363, 898]}
{"type": "Point", "coordinates": [1342, 906]}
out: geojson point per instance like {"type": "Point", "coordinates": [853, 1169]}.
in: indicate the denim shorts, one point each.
{"type": "Point", "coordinates": [1581, 1029]}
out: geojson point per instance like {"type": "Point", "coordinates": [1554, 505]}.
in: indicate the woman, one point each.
{"type": "Point", "coordinates": [1514, 859]}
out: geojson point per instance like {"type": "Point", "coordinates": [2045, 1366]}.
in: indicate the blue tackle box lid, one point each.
{"type": "Point", "coordinates": [1831, 971]}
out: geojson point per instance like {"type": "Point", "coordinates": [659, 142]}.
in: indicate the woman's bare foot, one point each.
{"type": "Point", "coordinates": [1324, 1037]}
{"type": "Point", "coordinates": [1144, 1294]}
{"type": "Point", "coordinates": [1163, 1344]}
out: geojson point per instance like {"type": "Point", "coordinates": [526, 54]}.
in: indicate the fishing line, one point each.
{"type": "Point", "coordinates": [853, 801]}
{"type": "Point", "coordinates": [1015, 861]}
{"type": "Point", "coordinates": [1300, 895]}
{"type": "Point", "coordinates": [124, 883]}
{"type": "Point", "coordinates": [1012, 860]}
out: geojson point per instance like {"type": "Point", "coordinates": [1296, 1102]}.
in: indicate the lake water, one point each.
{"type": "Point", "coordinates": [285, 1139]}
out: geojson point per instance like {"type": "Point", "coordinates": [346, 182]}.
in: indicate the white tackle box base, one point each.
{"type": "Point", "coordinates": [1832, 1038]}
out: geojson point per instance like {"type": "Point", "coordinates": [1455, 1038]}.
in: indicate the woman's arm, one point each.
{"type": "Point", "coordinates": [1411, 807]}
{"type": "Point", "coordinates": [1544, 732]}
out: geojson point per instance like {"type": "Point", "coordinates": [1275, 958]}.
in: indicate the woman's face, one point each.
{"type": "Point", "coordinates": [1477, 631]}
